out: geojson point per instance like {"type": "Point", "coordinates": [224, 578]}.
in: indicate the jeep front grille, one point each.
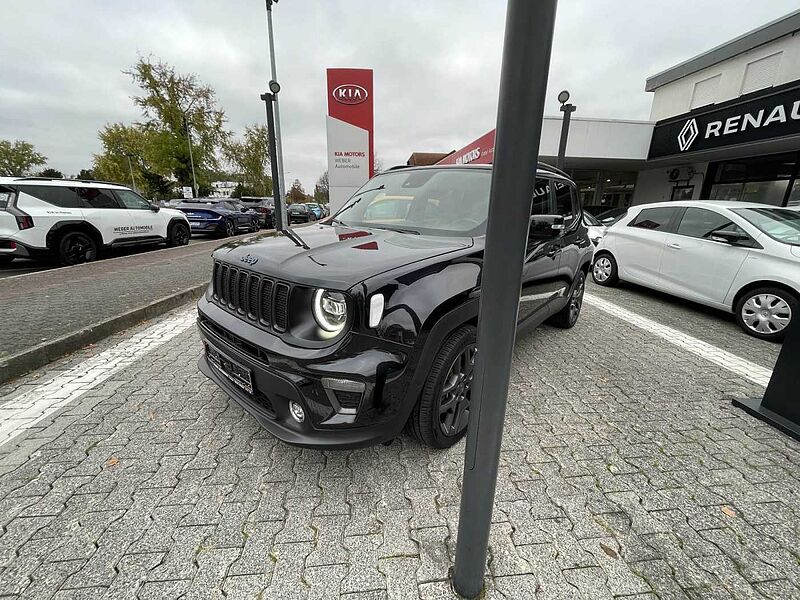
{"type": "Point", "coordinates": [252, 295]}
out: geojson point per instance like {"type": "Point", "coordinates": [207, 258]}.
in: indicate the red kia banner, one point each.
{"type": "Point", "coordinates": [350, 132]}
{"type": "Point", "coordinates": [479, 152]}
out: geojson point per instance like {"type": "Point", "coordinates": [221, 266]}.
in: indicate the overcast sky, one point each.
{"type": "Point", "coordinates": [436, 64]}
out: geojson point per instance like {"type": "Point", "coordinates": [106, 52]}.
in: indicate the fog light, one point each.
{"type": "Point", "coordinates": [298, 414]}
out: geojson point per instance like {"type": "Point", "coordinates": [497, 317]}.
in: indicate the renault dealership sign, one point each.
{"type": "Point", "coordinates": [765, 115]}
{"type": "Point", "coordinates": [350, 132]}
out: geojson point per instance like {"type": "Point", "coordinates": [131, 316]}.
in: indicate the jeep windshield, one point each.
{"type": "Point", "coordinates": [445, 202]}
{"type": "Point", "coordinates": [778, 223]}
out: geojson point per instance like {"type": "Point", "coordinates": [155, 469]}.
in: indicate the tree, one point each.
{"type": "Point", "coordinates": [86, 174]}
{"type": "Point", "coordinates": [296, 192]}
{"type": "Point", "coordinates": [322, 189]}
{"type": "Point", "coordinates": [179, 110]}
{"type": "Point", "coordinates": [249, 159]}
{"type": "Point", "coordinates": [18, 158]}
{"type": "Point", "coordinates": [122, 142]}
{"type": "Point", "coordinates": [51, 173]}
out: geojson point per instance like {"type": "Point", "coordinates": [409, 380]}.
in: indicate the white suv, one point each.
{"type": "Point", "coordinates": [75, 220]}
{"type": "Point", "coordinates": [735, 256]}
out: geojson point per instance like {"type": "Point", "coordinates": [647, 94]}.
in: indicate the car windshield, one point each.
{"type": "Point", "coordinates": [449, 202]}
{"type": "Point", "coordinates": [778, 223]}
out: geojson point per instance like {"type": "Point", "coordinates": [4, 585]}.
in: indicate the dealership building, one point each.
{"type": "Point", "coordinates": [723, 125]}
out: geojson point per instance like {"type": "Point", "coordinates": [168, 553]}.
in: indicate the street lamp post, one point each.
{"type": "Point", "coordinates": [191, 157]}
{"type": "Point", "coordinates": [130, 168]}
{"type": "Point", "coordinates": [523, 83]}
{"type": "Point", "coordinates": [567, 109]}
{"type": "Point", "coordinates": [274, 77]}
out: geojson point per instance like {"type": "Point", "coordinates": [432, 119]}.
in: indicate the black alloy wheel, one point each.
{"type": "Point", "coordinates": [455, 395]}
{"type": "Point", "coordinates": [230, 228]}
{"type": "Point", "coordinates": [76, 247]}
{"type": "Point", "coordinates": [179, 235]}
{"type": "Point", "coordinates": [568, 316]}
{"type": "Point", "coordinates": [441, 415]}
{"type": "Point", "coordinates": [256, 225]}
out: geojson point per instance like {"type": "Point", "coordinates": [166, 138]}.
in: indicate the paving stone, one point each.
{"type": "Point", "coordinates": [363, 575]}
{"type": "Point", "coordinates": [325, 581]}
{"type": "Point", "coordinates": [400, 577]}
{"type": "Point", "coordinates": [287, 575]}
{"type": "Point", "coordinates": [245, 587]}
{"type": "Point", "coordinates": [433, 554]}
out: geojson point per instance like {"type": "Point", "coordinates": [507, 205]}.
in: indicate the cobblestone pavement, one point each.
{"type": "Point", "coordinates": [625, 472]}
{"type": "Point", "coordinates": [54, 303]}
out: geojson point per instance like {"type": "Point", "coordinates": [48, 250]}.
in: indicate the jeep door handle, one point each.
{"type": "Point", "coordinates": [674, 245]}
{"type": "Point", "coordinates": [553, 251]}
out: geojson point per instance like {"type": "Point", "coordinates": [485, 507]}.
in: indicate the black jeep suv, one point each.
{"type": "Point", "coordinates": [345, 332]}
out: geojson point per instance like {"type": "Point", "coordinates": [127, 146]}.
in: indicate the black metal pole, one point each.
{"type": "Point", "coordinates": [280, 216]}
{"type": "Point", "coordinates": [523, 81]}
{"type": "Point", "coordinates": [567, 109]}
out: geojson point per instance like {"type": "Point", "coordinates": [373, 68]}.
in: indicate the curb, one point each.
{"type": "Point", "coordinates": [42, 354]}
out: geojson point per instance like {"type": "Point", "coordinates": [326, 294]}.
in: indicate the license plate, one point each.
{"type": "Point", "coordinates": [239, 375]}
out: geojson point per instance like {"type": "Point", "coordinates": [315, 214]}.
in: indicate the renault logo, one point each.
{"type": "Point", "coordinates": [249, 259]}
{"type": "Point", "coordinates": [687, 135]}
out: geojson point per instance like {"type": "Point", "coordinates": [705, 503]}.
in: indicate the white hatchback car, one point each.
{"type": "Point", "coordinates": [73, 220]}
{"type": "Point", "coordinates": [735, 256]}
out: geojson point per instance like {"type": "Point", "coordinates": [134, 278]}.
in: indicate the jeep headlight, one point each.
{"type": "Point", "coordinates": [330, 310]}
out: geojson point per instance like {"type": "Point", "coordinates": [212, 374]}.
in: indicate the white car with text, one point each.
{"type": "Point", "coordinates": [735, 256]}
{"type": "Point", "coordinates": [74, 220]}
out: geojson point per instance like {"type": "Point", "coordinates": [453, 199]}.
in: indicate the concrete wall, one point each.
{"type": "Point", "coordinates": [654, 185]}
{"type": "Point", "coordinates": [772, 64]}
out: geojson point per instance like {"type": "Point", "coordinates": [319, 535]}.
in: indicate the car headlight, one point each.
{"type": "Point", "coordinates": [330, 310]}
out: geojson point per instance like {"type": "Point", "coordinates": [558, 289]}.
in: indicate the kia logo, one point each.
{"type": "Point", "coordinates": [249, 259]}
{"type": "Point", "coordinates": [350, 93]}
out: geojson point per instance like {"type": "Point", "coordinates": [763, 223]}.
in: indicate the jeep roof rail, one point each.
{"type": "Point", "coordinates": [396, 167]}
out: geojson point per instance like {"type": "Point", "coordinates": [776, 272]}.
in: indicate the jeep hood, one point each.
{"type": "Point", "coordinates": [337, 257]}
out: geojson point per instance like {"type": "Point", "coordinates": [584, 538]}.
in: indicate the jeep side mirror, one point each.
{"type": "Point", "coordinates": [244, 209]}
{"type": "Point", "coordinates": [729, 237]}
{"type": "Point", "coordinates": [546, 226]}
{"type": "Point", "coordinates": [154, 207]}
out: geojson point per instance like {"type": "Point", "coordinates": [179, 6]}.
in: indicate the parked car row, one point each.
{"type": "Point", "coordinates": [306, 212]}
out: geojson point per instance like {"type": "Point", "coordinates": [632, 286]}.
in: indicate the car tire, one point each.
{"type": "Point", "coordinates": [179, 235]}
{"type": "Point", "coordinates": [568, 316]}
{"type": "Point", "coordinates": [230, 229]}
{"type": "Point", "coordinates": [5, 260]}
{"type": "Point", "coordinates": [76, 247]}
{"type": "Point", "coordinates": [256, 226]}
{"type": "Point", "coordinates": [766, 312]}
{"type": "Point", "coordinates": [440, 417]}
{"type": "Point", "coordinates": [605, 270]}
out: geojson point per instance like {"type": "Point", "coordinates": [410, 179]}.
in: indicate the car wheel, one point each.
{"type": "Point", "coordinates": [230, 228]}
{"type": "Point", "coordinates": [6, 260]}
{"type": "Point", "coordinates": [441, 415]}
{"type": "Point", "coordinates": [179, 235]}
{"type": "Point", "coordinates": [766, 312]}
{"type": "Point", "coordinates": [256, 225]}
{"type": "Point", "coordinates": [604, 270]}
{"type": "Point", "coordinates": [568, 316]}
{"type": "Point", "coordinates": [76, 247]}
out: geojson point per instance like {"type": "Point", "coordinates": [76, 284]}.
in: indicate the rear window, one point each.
{"type": "Point", "coordinates": [6, 196]}
{"type": "Point", "coordinates": [62, 197]}
{"type": "Point", "coordinates": [654, 218]}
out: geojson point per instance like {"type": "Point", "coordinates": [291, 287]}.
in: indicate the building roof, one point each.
{"type": "Point", "coordinates": [773, 30]}
{"type": "Point", "coordinates": [420, 159]}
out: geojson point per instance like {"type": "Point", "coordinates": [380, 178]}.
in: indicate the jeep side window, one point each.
{"type": "Point", "coordinates": [541, 204]}
{"type": "Point", "coordinates": [97, 198]}
{"type": "Point", "coordinates": [132, 200]}
{"type": "Point", "coordinates": [63, 197]}
{"type": "Point", "coordinates": [564, 202]}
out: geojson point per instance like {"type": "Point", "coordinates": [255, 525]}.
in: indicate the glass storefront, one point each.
{"type": "Point", "coordinates": [771, 179]}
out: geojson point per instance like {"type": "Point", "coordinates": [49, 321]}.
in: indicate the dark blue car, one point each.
{"type": "Point", "coordinates": [219, 216]}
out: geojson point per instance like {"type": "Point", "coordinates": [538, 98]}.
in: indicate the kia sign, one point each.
{"type": "Point", "coordinates": [350, 94]}
{"type": "Point", "coordinates": [350, 132]}
{"type": "Point", "coordinates": [764, 115]}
